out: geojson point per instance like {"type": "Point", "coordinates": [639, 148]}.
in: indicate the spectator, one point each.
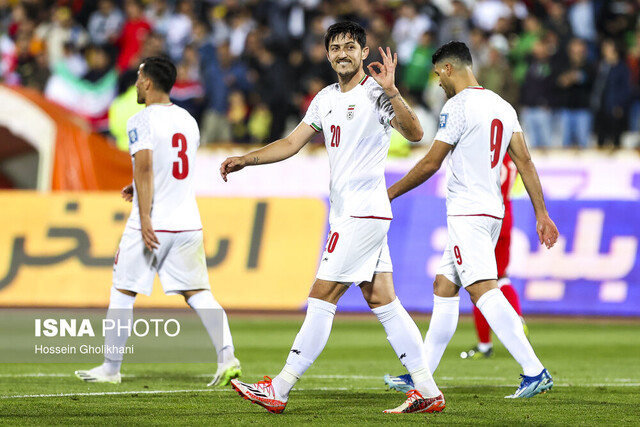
{"type": "Point", "coordinates": [417, 71]}
{"type": "Point", "coordinates": [31, 64]}
{"type": "Point", "coordinates": [378, 35]}
{"type": "Point", "coordinates": [611, 95]}
{"type": "Point", "coordinates": [485, 13]}
{"type": "Point", "coordinates": [558, 23]}
{"type": "Point", "coordinates": [535, 98]}
{"type": "Point", "coordinates": [317, 65]}
{"type": "Point", "coordinates": [134, 32]}
{"type": "Point", "coordinates": [62, 36]}
{"type": "Point", "coordinates": [523, 46]}
{"type": "Point", "coordinates": [583, 23]}
{"type": "Point", "coordinates": [457, 25]}
{"type": "Point", "coordinates": [497, 75]}
{"type": "Point", "coordinates": [105, 24]}
{"type": "Point", "coordinates": [259, 125]}
{"type": "Point", "coordinates": [408, 29]}
{"type": "Point", "coordinates": [274, 88]}
{"type": "Point", "coordinates": [633, 62]}
{"type": "Point", "coordinates": [238, 116]}
{"type": "Point", "coordinates": [241, 26]}
{"type": "Point", "coordinates": [574, 79]}
{"type": "Point", "coordinates": [180, 25]}
{"type": "Point", "coordinates": [222, 74]}
{"type": "Point", "coordinates": [188, 92]}
{"type": "Point", "coordinates": [158, 14]}
{"type": "Point", "coordinates": [479, 48]}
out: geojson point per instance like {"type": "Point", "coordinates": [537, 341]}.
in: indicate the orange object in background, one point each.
{"type": "Point", "coordinates": [82, 160]}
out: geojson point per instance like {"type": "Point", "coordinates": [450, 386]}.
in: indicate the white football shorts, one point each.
{"type": "Point", "coordinates": [179, 261]}
{"type": "Point", "coordinates": [356, 249]}
{"type": "Point", "coordinates": [470, 253]}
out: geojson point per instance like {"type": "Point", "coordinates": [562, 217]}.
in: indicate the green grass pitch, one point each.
{"type": "Point", "coordinates": [595, 365]}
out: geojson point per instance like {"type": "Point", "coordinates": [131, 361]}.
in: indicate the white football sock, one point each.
{"type": "Point", "coordinates": [507, 326]}
{"type": "Point", "coordinates": [215, 321]}
{"type": "Point", "coordinates": [307, 346]}
{"type": "Point", "coordinates": [483, 347]}
{"type": "Point", "coordinates": [443, 324]}
{"type": "Point", "coordinates": [404, 336]}
{"type": "Point", "coordinates": [121, 313]}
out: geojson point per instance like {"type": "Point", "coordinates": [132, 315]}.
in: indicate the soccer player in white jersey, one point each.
{"type": "Point", "coordinates": [476, 129]}
{"type": "Point", "coordinates": [355, 116]}
{"type": "Point", "coordinates": [163, 234]}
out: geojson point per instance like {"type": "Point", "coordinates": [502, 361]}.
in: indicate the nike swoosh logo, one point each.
{"type": "Point", "coordinates": [328, 113]}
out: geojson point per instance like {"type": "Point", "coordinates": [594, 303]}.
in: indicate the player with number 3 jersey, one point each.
{"type": "Point", "coordinates": [476, 129]}
{"type": "Point", "coordinates": [163, 235]}
{"type": "Point", "coordinates": [172, 135]}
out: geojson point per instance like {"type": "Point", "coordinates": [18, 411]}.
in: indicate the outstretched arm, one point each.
{"type": "Point", "coordinates": [276, 151]}
{"type": "Point", "coordinates": [547, 230]}
{"type": "Point", "coordinates": [422, 171]}
{"type": "Point", "coordinates": [405, 120]}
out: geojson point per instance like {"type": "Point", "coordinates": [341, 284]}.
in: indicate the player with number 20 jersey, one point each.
{"type": "Point", "coordinates": [357, 130]}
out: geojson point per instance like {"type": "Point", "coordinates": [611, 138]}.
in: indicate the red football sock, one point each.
{"type": "Point", "coordinates": [482, 327]}
{"type": "Point", "coordinates": [511, 296]}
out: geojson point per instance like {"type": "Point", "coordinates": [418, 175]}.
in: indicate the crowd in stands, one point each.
{"type": "Point", "coordinates": [248, 69]}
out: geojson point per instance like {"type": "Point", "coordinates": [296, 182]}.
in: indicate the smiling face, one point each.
{"type": "Point", "coordinates": [346, 55]}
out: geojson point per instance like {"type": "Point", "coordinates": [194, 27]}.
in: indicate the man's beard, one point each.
{"type": "Point", "coordinates": [347, 75]}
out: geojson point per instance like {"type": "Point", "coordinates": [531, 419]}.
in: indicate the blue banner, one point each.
{"type": "Point", "coordinates": [594, 268]}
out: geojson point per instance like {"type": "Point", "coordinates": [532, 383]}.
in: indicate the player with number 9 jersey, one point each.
{"type": "Point", "coordinates": [476, 130]}
{"type": "Point", "coordinates": [172, 134]}
{"type": "Point", "coordinates": [468, 119]}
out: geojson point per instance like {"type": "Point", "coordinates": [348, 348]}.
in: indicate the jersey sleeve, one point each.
{"type": "Point", "coordinates": [139, 132]}
{"type": "Point", "coordinates": [452, 122]}
{"type": "Point", "coordinates": [516, 123]}
{"type": "Point", "coordinates": [312, 118]}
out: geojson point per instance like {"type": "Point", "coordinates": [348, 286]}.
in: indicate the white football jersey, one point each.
{"type": "Point", "coordinates": [479, 124]}
{"type": "Point", "coordinates": [357, 131]}
{"type": "Point", "coordinates": [173, 136]}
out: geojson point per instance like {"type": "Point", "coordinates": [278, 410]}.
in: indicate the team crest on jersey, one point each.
{"type": "Point", "coordinates": [350, 111]}
{"type": "Point", "coordinates": [133, 136]}
{"type": "Point", "coordinates": [443, 121]}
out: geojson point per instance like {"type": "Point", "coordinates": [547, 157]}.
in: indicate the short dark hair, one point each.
{"type": "Point", "coordinates": [453, 50]}
{"type": "Point", "coordinates": [346, 28]}
{"type": "Point", "coordinates": [161, 71]}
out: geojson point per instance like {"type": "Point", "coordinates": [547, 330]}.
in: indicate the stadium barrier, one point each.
{"type": "Point", "coordinates": [59, 250]}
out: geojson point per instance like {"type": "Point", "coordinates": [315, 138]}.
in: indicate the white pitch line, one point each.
{"type": "Point", "coordinates": [356, 389]}
{"type": "Point", "coordinates": [111, 393]}
{"type": "Point", "coordinates": [34, 375]}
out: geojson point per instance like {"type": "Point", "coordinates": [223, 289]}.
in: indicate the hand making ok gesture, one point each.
{"type": "Point", "coordinates": [385, 76]}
